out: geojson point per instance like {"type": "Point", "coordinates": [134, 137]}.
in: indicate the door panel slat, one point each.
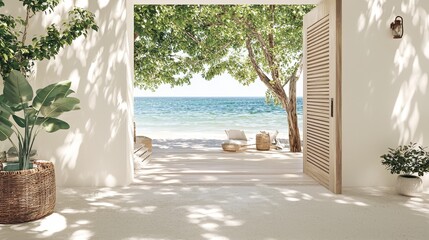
{"type": "Point", "coordinates": [319, 80]}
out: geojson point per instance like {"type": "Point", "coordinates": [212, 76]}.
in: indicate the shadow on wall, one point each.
{"type": "Point", "coordinates": [385, 85]}
{"type": "Point", "coordinates": [410, 112]}
{"type": "Point", "coordinates": [94, 151]}
{"type": "Point", "coordinates": [398, 85]}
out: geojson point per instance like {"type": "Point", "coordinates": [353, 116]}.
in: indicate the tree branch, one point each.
{"type": "Point", "coordinates": [267, 51]}
{"type": "Point", "coordinates": [192, 37]}
{"type": "Point", "coordinates": [296, 73]}
{"type": "Point", "coordinates": [275, 87]}
{"type": "Point", "coordinates": [299, 70]}
{"type": "Point", "coordinates": [24, 34]}
{"type": "Point", "coordinates": [275, 84]}
{"type": "Point", "coordinates": [264, 78]}
{"type": "Point", "coordinates": [273, 23]}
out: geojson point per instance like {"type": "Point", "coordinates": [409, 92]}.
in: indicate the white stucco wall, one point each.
{"type": "Point", "coordinates": [97, 150]}
{"type": "Point", "coordinates": [385, 85]}
{"type": "Point", "coordinates": [385, 91]}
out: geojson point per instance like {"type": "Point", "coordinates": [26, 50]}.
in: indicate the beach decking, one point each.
{"type": "Point", "coordinates": [203, 162]}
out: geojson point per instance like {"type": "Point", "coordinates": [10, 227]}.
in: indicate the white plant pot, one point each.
{"type": "Point", "coordinates": [409, 185]}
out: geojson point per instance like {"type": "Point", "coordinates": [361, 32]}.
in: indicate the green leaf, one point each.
{"type": "Point", "coordinates": [60, 106]}
{"type": "Point", "coordinates": [46, 95]}
{"type": "Point", "coordinates": [30, 115]}
{"type": "Point", "coordinates": [16, 89]}
{"type": "Point", "coordinates": [18, 107]}
{"type": "Point", "coordinates": [5, 110]}
{"type": "Point", "coordinates": [5, 130]}
{"type": "Point", "coordinates": [68, 93]}
{"type": "Point", "coordinates": [52, 125]}
{"type": "Point", "coordinates": [407, 159]}
{"type": "Point", "coordinates": [19, 121]}
{"type": "Point", "coordinates": [5, 121]}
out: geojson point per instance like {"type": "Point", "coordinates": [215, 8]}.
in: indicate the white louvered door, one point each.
{"type": "Point", "coordinates": [322, 115]}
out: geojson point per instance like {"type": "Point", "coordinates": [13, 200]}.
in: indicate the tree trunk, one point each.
{"type": "Point", "coordinates": [289, 104]}
{"type": "Point", "coordinates": [294, 137]}
{"type": "Point", "coordinates": [292, 119]}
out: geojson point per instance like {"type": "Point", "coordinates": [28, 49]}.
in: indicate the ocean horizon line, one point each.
{"type": "Point", "coordinates": [208, 117]}
{"type": "Point", "coordinates": [203, 97]}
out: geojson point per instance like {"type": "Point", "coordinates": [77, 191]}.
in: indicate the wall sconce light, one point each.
{"type": "Point", "coordinates": [397, 27]}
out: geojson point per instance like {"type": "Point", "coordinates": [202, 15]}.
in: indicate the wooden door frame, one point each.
{"type": "Point", "coordinates": [338, 100]}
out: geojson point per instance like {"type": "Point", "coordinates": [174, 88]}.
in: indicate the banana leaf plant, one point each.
{"type": "Point", "coordinates": [24, 114]}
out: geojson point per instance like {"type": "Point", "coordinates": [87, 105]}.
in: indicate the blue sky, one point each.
{"type": "Point", "coordinates": [221, 86]}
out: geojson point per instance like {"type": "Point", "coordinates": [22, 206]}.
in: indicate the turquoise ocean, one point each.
{"type": "Point", "coordinates": [208, 117]}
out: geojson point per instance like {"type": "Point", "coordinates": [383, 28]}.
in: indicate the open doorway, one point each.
{"type": "Point", "coordinates": [209, 157]}
{"type": "Point", "coordinates": [190, 151]}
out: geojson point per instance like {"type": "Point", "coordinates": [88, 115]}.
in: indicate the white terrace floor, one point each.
{"type": "Point", "coordinates": [192, 190]}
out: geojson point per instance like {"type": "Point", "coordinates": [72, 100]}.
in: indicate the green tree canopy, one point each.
{"type": "Point", "coordinates": [19, 54]}
{"type": "Point", "coordinates": [175, 42]}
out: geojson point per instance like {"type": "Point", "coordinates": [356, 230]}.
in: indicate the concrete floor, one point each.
{"type": "Point", "coordinates": [170, 203]}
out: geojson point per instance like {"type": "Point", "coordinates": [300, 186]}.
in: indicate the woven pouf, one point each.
{"type": "Point", "coordinates": [27, 195]}
{"type": "Point", "coordinates": [263, 142]}
{"type": "Point", "coordinates": [230, 147]}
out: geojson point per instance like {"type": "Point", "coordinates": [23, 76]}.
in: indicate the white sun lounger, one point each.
{"type": "Point", "coordinates": [237, 140]}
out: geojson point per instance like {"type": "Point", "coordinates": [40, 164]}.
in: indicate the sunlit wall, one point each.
{"type": "Point", "coordinates": [97, 150]}
{"type": "Point", "coordinates": [385, 85]}
{"type": "Point", "coordinates": [385, 91]}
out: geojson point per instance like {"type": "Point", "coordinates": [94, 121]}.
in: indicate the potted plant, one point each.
{"type": "Point", "coordinates": [407, 161]}
{"type": "Point", "coordinates": [23, 115]}
{"type": "Point", "coordinates": [27, 189]}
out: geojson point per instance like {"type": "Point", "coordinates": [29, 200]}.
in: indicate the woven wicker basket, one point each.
{"type": "Point", "coordinates": [27, 195]}
{"type": "Point", "coordinates": [263, 142]}
{"type": "Point", "coordinates": [230, 147]}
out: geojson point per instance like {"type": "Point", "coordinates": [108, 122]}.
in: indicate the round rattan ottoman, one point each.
{"type": "Point", "coordinates": [230, 147]}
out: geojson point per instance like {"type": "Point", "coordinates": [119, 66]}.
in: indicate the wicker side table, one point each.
{"type": "Point", "coordinates": [263, 142]}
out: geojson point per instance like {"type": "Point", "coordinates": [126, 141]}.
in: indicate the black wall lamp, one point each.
{"type": "Point", "coordinates": [397, 27]}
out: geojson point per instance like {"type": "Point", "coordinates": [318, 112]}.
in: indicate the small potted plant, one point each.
{"type": "Point", "coordinates": [407, 161]}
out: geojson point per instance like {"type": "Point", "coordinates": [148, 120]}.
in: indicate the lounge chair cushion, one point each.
{"type": "Point", "coordinates": [236, 135]}
{"type": "Point", "coordinates": [273, 136]}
